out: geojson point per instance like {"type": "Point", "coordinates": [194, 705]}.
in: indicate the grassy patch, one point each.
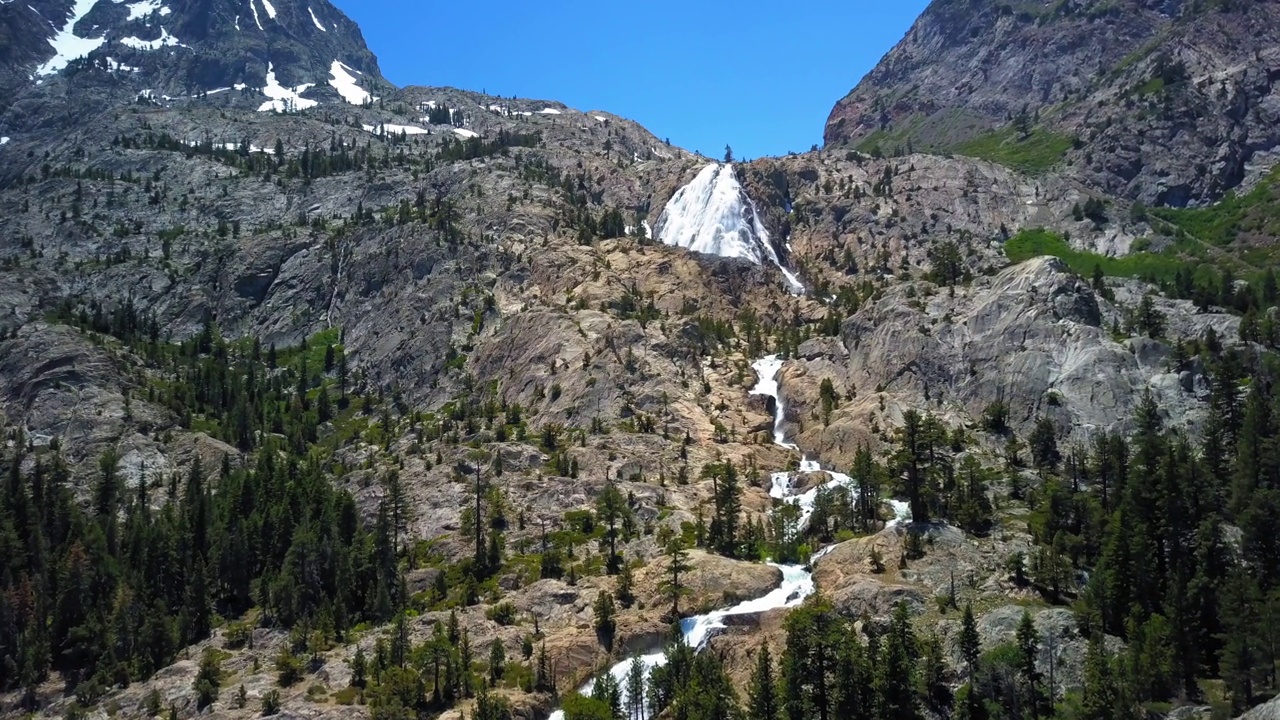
{"type": "Point", "coordinates": [1150, 87]}
{"type": "Point", "coordinates": [1255, 214]}
{"type": "Point", "coordinates": [347, 696]}
{"type": "Point", "coordinates": [1036, 243]}
{"type": "Point", "coordinates": [1036, 152]}
{"type": "Point", "coordinates": [1136, 56]}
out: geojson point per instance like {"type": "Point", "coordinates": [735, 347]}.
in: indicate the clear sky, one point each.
{"type": "Point", "coordinates": [760, 76]}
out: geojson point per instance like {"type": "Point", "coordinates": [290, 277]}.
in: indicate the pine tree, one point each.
{"type": "Point", "coordinates": [896, 672]}
{"type": "Point", "coordinates": [1239, 656]}
{"type": "Point", "coordinates": [1099, 700]}
{"type": "Point", "coordinates": [723, 535]}
{"type": "Point", "coordinates": [917, 457]}
{"type": "Point", "coordinates": [1044, 445]}
{"type": "Point", "coordinates": [542, 678]}
{"type": "Point", "coordinates": [359, 669]}
{"type": "Point", "coordinates": [635, 689]}
{"type": "Point", "coordinates": [970, 643]}
{"type": "Point", "coordinates": [625, 593]}
{"type": "Point", "coordinates": [611, 506]}
{"type": "Point", "coordinates": [677, 565]}
{"type": "Point", "coordinates": [208, 679]}
{"type": "Point", "coordinates": [762, 693]}
{"type": "Point", "coordinates": [605, 623]}
{"type": "Point", "coordinates": [814, 634]}
{"type": "Point", "coordinates": [1032, 688]}
{"type": "Point", "coordinates": [497, 661]}
{"type": "Point", "coordinates": [107, 495]}
{"type": "Point", "coordinates": [855, 691]}
{"type": "Point", "coordinates": [868, 493]}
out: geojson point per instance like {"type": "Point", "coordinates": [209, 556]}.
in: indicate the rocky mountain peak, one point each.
{"type": "Point", "coordinates": [177, 48]}
{"type": "Point", "coordinates": [1160, 101]}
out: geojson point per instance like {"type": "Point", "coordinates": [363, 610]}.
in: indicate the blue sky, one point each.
{"type": "Point", "coordinates": [760, 76]}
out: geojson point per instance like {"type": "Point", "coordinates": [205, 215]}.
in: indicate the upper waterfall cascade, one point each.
{"type": "Point", "coordinates": [715, 216]}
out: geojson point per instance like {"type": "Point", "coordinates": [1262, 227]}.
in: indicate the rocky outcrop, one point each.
{"type": "Point", "coordinates": [713, 581]}
{"type": "Point", "coordinates": [1034, 336]}
{"type": "Point", "coordinates": [1269, 710]}
{"type": "Point", "coordinates": [1168, 103]}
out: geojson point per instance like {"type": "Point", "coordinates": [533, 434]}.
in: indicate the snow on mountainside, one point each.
{"type": "Point", "coordinates": [713, 215]}
{"type": "Point", "coordinates": [182, 48]}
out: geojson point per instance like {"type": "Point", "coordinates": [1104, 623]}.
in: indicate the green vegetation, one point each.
{"type": "Point", "coordinates": [1033, 152]}
{"type": "Point", "coordinates": [129, 584]}
{"type": "Point", "coordinates": [1235, 217]}
{"type": "Point", "coordinates": [1028, 244]}
{"type": "Point", "coordinates": [1188, 270]}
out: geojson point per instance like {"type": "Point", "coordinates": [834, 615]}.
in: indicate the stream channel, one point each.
{"type": "Point", "coordinates": [797, 580]}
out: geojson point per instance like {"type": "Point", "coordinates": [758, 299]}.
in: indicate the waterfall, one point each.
{"type": "Point", "coordinates": [797, 580]}
{"type": "Point", "coordinates": [713, 215]}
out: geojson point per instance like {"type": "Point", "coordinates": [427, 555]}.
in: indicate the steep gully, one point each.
{"type": "Point", "coordinates": [797, 580]}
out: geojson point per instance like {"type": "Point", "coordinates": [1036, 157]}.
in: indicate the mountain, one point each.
{"type": "Point", "coordinates": [326, 398]}
{"type": "Point", "coordinates": [176, 48]}
{"type": "Point", "coordinates": [1168, 103]}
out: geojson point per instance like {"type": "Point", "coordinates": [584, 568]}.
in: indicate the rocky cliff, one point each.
{"type": "Point", "coordinates": [1164, 102]}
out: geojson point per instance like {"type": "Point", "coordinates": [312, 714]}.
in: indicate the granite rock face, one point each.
{"type": "Point", "coordinates": [1167, 102]}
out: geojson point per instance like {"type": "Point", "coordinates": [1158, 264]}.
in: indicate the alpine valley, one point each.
{"type": "Point", "coordinates": [326, 398]}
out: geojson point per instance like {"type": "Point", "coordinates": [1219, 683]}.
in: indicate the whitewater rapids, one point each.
{"type": "Point", "coordinates": [797, 580]}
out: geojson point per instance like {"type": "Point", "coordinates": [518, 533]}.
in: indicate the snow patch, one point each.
{"type": "Point", "coordinates": [252, 148]}
{"type": "Point", "coordinates": [550, 111]}
{"type": "Point", "coordinates": [284, 99]}
{"type": "Point", "coordinates": [114, 66]}
{"type": "Point", "coordinates": [4, 140]}
{"type": "Point", "coordinates": [347, 85]}
{"type": "Point", "coordinates": [601, 118]}
{"type": "Point", "coordinates": [254, 8]}
{"type": "Point", "coordinates": [463, 132]}
{"type": "Point", "coordinates": [142, 9]}
{"type": "Point", "coordinates": [68, 46]}
{"type": "Point", "coordinates": [713, 215]}
{"type": "Point", "coordinates": [165, 40]}
{"type": "Point", "coordinates": [316, 21]}
{"type": "Point", "coordinates": [390, 129]}
{"type": "Point", "coordinates": [271, 9]}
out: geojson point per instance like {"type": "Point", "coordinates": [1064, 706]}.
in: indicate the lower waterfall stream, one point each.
{"type": "Point", "coordinates": [797, 580]}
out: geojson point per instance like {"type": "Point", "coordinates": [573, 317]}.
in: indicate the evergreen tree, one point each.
{"type": "Point", "coordinates": [762, 694]}
{"type": "Point", "coordinates": [896, 671]}
{"type": "Point", "coordinates": [612, 507]}
{"type": "Point", "coordinates": [969, 642]}
{"type": "Point", "coordinates": [672, 586]}
{"type": "Point", "coordinates": [208, 679]}
{"type": "Point", "coordinates": [1032, 687]}
{"type": "Point", "coordinates": [1044, 445]}
{"type": "Point", "coordinates": [723, 535]}
{"type": "Point", "coordinates": [605, 623]}
{"type": "Point", "coordinates": [1240, 653]}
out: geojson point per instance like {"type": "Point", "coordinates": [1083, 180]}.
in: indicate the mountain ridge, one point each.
{"type": "Point", "coordinates": [176, 48]}
{"type": "Point", "coordinates": [1167, 103]}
